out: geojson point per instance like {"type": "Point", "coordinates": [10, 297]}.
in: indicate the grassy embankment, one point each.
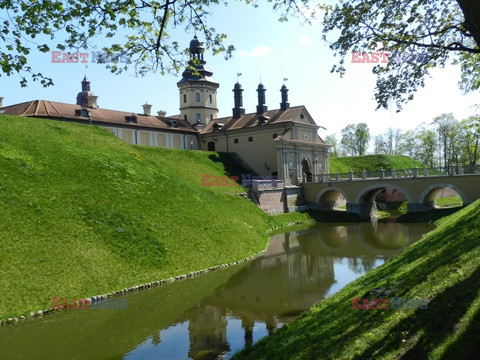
{"type": "Point", "coordinates": [372, 163]}
{"type": "Point", "coordinates": [442, 267]}
{"type": "Point", "coordinates": [83, 213]}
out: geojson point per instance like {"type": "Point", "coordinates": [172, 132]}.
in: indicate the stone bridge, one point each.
{"type": "Point", "coordinates": [420, 190]}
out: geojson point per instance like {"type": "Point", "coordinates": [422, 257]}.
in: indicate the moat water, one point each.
{"type": "Point", "coordinates": [217, 314]}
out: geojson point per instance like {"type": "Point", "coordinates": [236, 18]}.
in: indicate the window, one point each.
{"type": "Point", "coordinates": [211, 116]}
{"type": "Point", "coordinates": [211, 99]}
{"type": "Point", "coordinates": [305, 136]}
{"type": "Point", "coordinates": [185, 117]}
{"type": "Point", "coordinates": [250, 139]}
{"type": "Point", "coordinates": [235, 141]}
{"type": "Point", "coordinates": [275, 136]}
{"type": "Point", "coordinates": [197, 117]}
{"type": "Point", "coordinates": [302, 116]}
{"type": "Point", "coordinates": [197, 97]}
{"type": "Point", "coordinates": [132, 119]}
{"type": "Point", "coordinates": [184, 98]}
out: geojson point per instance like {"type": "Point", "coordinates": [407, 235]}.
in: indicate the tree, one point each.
{"type": "Point", "coordinates": [408, 144]}
{"type": "Point", "coordinates": [469, 140]}
{"type": "Point", "coordinates": [362, 138]}
{"type": "Point", "coordinates": [392, 137]}
{"type": "Point", "coordinates": [355, 139]}
{"type": "Point", "coordinates": [446, 129]}
{"type": "Point", "coordinates": [136, 30]}
{"type": "Point", "coordinates": [348, 140]}
{"type": "Point", "coordinates": [380, 145]}
{"type": "Point", "coordinates": [423, 33]}
{"type": "Point", "coordinates": [332, 140]}
{"type": "Point", "coordinates": [425, 145]}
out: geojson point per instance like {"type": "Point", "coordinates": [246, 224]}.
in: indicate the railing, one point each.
{"type": "Point", "coordinates": [394, 174]}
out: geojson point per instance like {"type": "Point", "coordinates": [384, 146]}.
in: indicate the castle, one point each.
{"type": "Point", "coordinates": [281, 142]}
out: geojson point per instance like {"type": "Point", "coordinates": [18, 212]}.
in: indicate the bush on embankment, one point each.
{"type": "Point", "coordinates": [83, 213]}
{"type": "Point", "coordinates": [442, 267]}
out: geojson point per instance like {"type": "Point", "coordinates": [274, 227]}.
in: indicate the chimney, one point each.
{"type": "Point", "coordinates": [261, 108]}
{"type": "Point", "coordinates": [147, 109]}
{"type": "Point", "coordinates": [284, 105]}
{"type": "Point", "coordinates": [1, 101]}
{"type": "Point", "coordinates": [92, 101]}
{"type": "Point", "coordinates": [238, 109]}
{"type": "Point", "coordinates": [162, 113]}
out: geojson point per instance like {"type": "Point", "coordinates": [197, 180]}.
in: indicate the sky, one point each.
{"type": "Point", "coordinates": [266, 50]}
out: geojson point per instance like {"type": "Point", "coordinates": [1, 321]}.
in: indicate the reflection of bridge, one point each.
{"type": "Point", "coordinates": [419, 189]}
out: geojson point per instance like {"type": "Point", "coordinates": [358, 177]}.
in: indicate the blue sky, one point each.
{"type": "Point", "coordinates": [268, 49]}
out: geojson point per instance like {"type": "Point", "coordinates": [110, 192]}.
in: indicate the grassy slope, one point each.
{"type": "Point", "coordinates": [83, 213]}
{"type": "Point", "coordinates": [442, 267]}
{"type": "Point", "coordinates": [371, 163]}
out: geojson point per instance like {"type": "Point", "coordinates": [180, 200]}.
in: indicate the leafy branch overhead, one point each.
{"type": "Point", "coordinates": [441, 31]}
{"type": "Point", "coordinates": [136, 30]}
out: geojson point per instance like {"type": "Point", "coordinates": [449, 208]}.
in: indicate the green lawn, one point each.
{"type": "Point", "coordinates": [443, 267]}
{"type": "Point", "coordinates": [451, 201]}
{"type": "Point", "coordinates": [83, 213]}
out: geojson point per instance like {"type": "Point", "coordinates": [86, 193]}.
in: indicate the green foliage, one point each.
{"type": "Point", "coordinates": [442, 267]}
{"type": "Point", "coordinates": [138, 32]}
{"type": "Point", "coordinates": [469, 138]}
{"type": "Point", "coordinates": [371, 163]}
{"type": "Point", "coordinates": [439, 31]}
{"type": "Point", "coordinates": [355, 139]}
{"type": "Point", "coordinates": [84, 213]}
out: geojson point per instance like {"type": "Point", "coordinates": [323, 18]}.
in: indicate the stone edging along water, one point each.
{"type": "Point", "coordinates": [97, 298]}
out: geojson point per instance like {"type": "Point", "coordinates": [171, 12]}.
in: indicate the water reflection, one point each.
{"type": "Point", "coordinates": [219, 313]}
{"type": "Point", "coordinates": [297, 270]}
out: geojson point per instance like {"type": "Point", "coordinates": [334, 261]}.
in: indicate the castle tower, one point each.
{"type": "Point", "coordinates": [198, 89]}
{"type": "Point", "coordinates": [85, 98]}
{"type": "Point", "coordinates": [238, 110]}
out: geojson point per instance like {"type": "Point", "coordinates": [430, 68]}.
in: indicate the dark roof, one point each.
{"type": "Point", "coordinates": [253, 119]}
{"type": "Point", "coordinates": [63, 111]}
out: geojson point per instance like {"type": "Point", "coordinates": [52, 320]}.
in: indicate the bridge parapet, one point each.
{"type": "Point", "coordinates": [394, 174]}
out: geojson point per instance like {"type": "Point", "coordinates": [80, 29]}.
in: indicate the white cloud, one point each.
{"type": "Point", "coordinates": [305, 40]}
{"type": "Point", "coordinates": [259, 51]}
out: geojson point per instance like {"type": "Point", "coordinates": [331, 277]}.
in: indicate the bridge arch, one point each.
{"type": "Point", "coordinates": [372, 190]}
{"type": "Point", "coordinates": [327, 197]}
{"type": "Point", "coordinates": [427, 197]}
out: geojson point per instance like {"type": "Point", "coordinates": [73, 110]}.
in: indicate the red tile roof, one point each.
{"type": "Point", "coordinates": [252, 120]}
{"type": "Point", "coordinates": [106, 117]}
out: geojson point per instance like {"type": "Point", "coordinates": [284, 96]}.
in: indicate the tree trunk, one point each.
{"type": "Point", "coordinates": [471, 12]}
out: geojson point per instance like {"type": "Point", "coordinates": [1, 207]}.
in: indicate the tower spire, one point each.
{"type": "Point", "coordinates": [238, 109]}
{"type": "Point", "coordinates": [261, 107]}
{"type": "Point", "coordinates": [198, 89]}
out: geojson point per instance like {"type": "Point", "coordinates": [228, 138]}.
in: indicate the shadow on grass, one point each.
{"type": "Point", "coordinates": [467, 344]}
{"type": "Point", "coordinates": [231, 166]}
{"type": "Point", "coordinates": [427, 328]}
